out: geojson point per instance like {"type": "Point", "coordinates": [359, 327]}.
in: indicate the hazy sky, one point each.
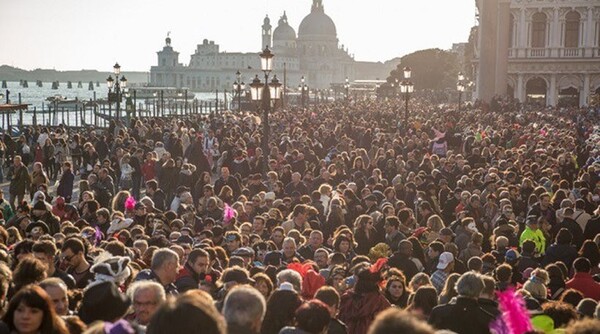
{"type": "Point", "coordinates": [92, 34]}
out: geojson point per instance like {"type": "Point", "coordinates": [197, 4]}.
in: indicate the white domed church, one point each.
{"type": "Point", "coordinates": [315, 53]}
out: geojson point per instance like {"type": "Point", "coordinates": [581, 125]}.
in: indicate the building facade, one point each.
{"type": "Point", "coordinates": [314, 53]}
{"type": "Point", "coordinates": [538, 50]}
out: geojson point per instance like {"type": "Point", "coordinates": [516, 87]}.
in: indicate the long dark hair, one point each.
{"type": "Point", "coordinates": [281, 308]}
{"type": "Point", "coordinates": [35, 297]}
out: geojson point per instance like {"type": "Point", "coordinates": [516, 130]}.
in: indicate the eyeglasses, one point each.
{"type": "Point", "coordinates": [67, 258]}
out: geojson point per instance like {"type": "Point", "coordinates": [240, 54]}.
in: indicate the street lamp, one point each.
{"type": "Point", "coordinates": [265, 93]}
{"type": "Point", "coordinates": [118, 84]}
{"type": "Point", "coordinates": [347, 88]}
{"type": "Point", "coordinates": [238, 87]}
{"type": "Point", "coordinates": [406, 88]}
{"type": "Point", "coordinates": [460, 87]}
{"type": "Point", "coordinates": [303, 87]}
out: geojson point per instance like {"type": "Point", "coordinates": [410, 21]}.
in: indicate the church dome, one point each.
{"type": "Point", "coordinates": [317, 22]}
{"type": "Point", "coordinates": [284, 32]}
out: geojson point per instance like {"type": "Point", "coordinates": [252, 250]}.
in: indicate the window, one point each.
{"type": "Point", "coordinates": [511, 32]}
{"type": "Point", "coordinates": [572, 29]}
{"type": "Point", "coordinates": [538, 30]}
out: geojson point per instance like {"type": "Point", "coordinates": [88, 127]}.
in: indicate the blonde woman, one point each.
{"type": "Point", "coordinates": [435, 224]}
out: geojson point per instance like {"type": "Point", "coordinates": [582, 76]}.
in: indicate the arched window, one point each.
{"type": "Point", "coordinates": [572, 29]}
{"type": "Point", "coordinates": [538, 30]}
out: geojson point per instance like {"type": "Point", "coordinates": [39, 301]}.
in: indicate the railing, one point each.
{"type": "Point", "coordinates": [537, 52]}
{"type": "Point", "coordinates": [570, 52]}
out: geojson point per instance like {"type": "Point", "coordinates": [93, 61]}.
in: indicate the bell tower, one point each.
{"type": "Point", "coordinates": [266, 33]}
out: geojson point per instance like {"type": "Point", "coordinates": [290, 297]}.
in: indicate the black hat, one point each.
{"type": "Point", "coordinates": [103, 301]}
{"type": "Point", "coordinates": [38, 223]}
{"type": "Point", "coordinates": [273, 258]}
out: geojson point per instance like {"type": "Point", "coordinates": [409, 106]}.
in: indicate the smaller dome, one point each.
{"type": "Point", "coordinates": [284, 32]}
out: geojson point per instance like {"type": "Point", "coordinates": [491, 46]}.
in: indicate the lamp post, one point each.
{"type": "Point", "coordinates": [406, 88]}
{"type": "Point", "coordinates": [303, 87]}
{"type": "Point", "coordinates": [119, 82]}
{"type": "Point", "coordinates": [347, 88]}
{"type": "Point", "coordinates": [460, 87]}
{"type": "Point", "coordinates": [238, 87]}
{"type": "Point", "coordinates": [265, 93]}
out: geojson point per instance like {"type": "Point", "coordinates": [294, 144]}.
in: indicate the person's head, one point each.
{"type": "Point", "coordinates": [424, 300]}
{"type": "Point", "coordinates": [233, 240]}
{"type": "Point", "coordinates": [313, 317]}
{"type": "Point", "coordinates": [29, 271]}
{"type": "Point", "coordinates": [586, 308]}
{"type": "Point", "coordinates": [263, 283]}
{"type": "Point", "coordinates": [31, 311]}
{"type": "Point", "coordinates": [290, 276]}
{"type": "Point", "coordinates": [199, 261]}
{"type": "Point", "coordinates": [469, 285]}
{"type": "Point", "coordinates": [504, 273]}
{"type": "Point", "coordinates": [315, 239]}
{"type": "Point", "coordinates": [564, 237]}
{"type": "Point", "coordinates": [198, 310]}
{"type": "Point", "coordinates": [475, 264]}
{"type": "Point", "coordinates": [435, 249]}
{"type": "Point", "coordinates": [571, 297]}
{"type": "Point", "coordinates": [405, 247]}
{"type": "Point", "coordinates": [244, 307]}
{"type": "Point", "coordinates": [165, 263]}
{"type": "Point", "coordinates": [330, 297]}
{"type": "Point", "coordinates": [146, 296]}
{"type": "Point", "coordinates": [561, 313]}
{"type": "Point", "coordinates": [394, 320]}
{"type": "Point", "coordinates": [73, 252]}
{"type": "Point", "coordinates": [281, 308]}
{"type": "Point", "coordinates": [57, 291]}
{"type": "Point", "coordinates": [489, 287]}
{"type": "Point", "coordinates": [289, 247]}
{"type": "Point", "coordinates": [582, 265]}
{"type": "Point", "coordinates": [396, 286]}
{"type": "Point", "coordinates": [45, 251]}
{"type": "Point", "coordinates": [321, 257]}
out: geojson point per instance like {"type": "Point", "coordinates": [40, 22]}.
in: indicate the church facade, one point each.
{"type": "Point", "coordinates": [314, 53]}
{"type": "Point", "coordinates": [546, 51]}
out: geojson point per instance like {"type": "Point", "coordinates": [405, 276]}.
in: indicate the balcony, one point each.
{"type": "Point", "coordinates": [571, 52]}
{"type": "Point", "coordinates": [561, 52]}
{"type": "Point", "coordinates": [537, 52]}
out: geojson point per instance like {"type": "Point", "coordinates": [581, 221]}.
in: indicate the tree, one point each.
{"type": "Point", "coordinates": [431, 69]}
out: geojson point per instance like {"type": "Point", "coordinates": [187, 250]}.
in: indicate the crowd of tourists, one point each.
{"type": "Point", "coordinates": [353, 221]}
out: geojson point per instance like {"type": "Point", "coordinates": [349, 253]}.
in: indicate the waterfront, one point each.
{"type": "Point", "coordinates": [36, 98]}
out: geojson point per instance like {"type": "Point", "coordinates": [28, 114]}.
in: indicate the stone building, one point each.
{"type": "Point", "coordinates": [546, 51]}
{"type": "Point", "coordinates": [314, 53]}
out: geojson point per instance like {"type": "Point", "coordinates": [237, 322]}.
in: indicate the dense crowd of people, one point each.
{"type": "Point", "coordinates": [352, 222]}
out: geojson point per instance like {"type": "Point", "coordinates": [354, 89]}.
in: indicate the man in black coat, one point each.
{"type": "Point", "coordinates": [466, 315]}
{"type": "Point", "coordinates": [65, 185]}
{"type": "Point", "coordinates": [227, 180]}
{"type": "Point", "coordinates": [401, 260]}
